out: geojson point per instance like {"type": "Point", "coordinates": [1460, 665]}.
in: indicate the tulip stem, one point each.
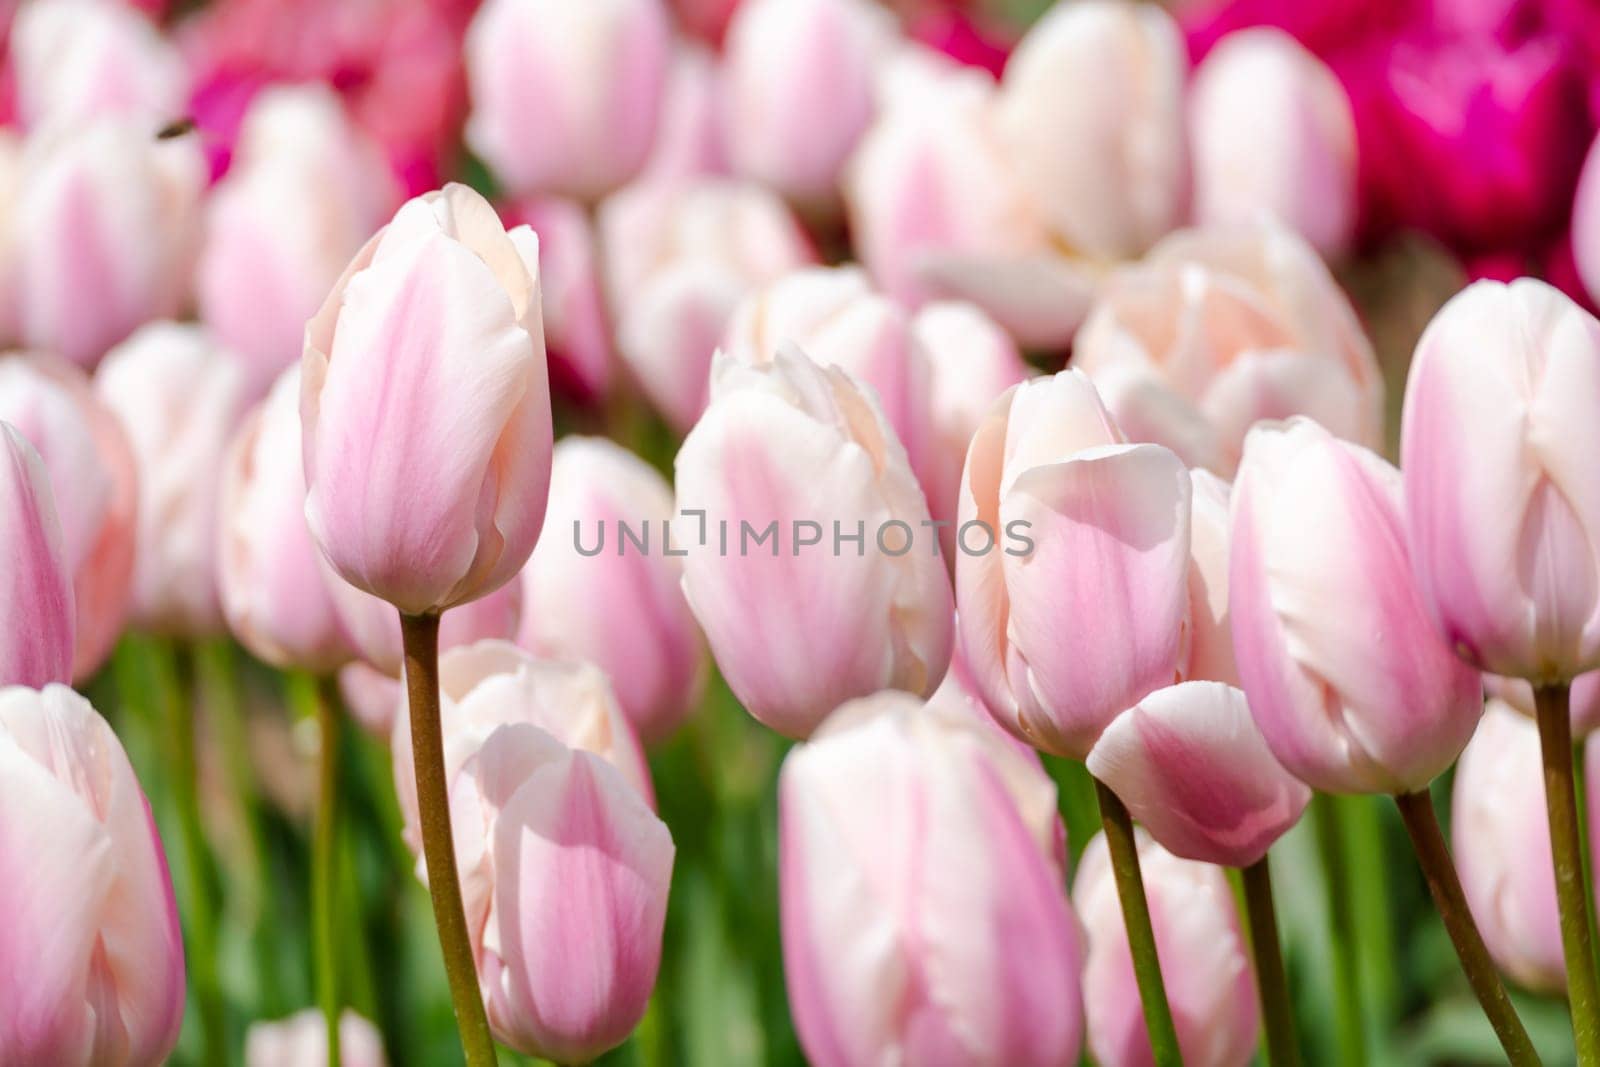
{"type": "Point", "coordinates": [1272, 984]}
{"type": "Point", "coordinates": [306, 694]}
{"type": "Point", "coordinates": [1141, 935]}
{"type": "Point", "coordinates": [1352, 1033]}
{"type": "Point", "coordinates": [1422, 824]}
{"type": "Point", "coordinates": [420, 634]}
{"type": "Point", "coordinates": [1552, 704]}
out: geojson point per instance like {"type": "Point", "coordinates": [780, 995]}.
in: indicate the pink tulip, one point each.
{"type": "Point", "coordinates": [590, 594]}
{"type": "Point", "coordinates": [814, 572]}
{"type": "Point", "coordinates": [274, 584]}
{"type": "Point", "coordinates": [680, 256]}
{"type": "Point", "coordinates": [1210, 655]}
{"type": "Point", "coordinates": [372, 698]}
{"type": "Point", "coordinates": [1273, 137]}
{"type": "Point", "coordinates": [1204, 961]}
{"type": "Point", "coordinates": [1220, 329]}
{"type": "Point", "coordinates": [1352, 688]}
{"type": "Point", "coordinates": [1585, 699]}
{"type": "Point", "coordinates": [800, 90]}
{"type": "Point", "coordinates": [692, 136]}
{"type": "Point", "coordinates": [923, 912]}
{"type": "Point", "coordinates": [1193, 769]}
{"type": "Point", "coordinates": [306, 189]}
{"type": "Point", "coordinates": [566, 97]}
{"type": "Point", "coordinates": [426, 407]}
{"type": "Point", "coordinates": [301, 1040]}
{"type": "Point", "coordinates": [576, 331]}
{"type": "Point", "coordinates": [36, 587]}
{"type": "Point", "coordinates": [374, 628]}
{"type": "Point", "coordinates": [103, 232]}
{"type": "Point", "coordinates": [1497, 444]}
{"type": "Point", "coordinates": [1061, 522]}
{"type": "Point", "coordinates": [705, 18]}
{"type": "Point", "coordinates": [180, 397]}
{"type": "Point", "coordinates": [91, 964]}
{"type": "Point", "coordinates": [94, 483]}
{"type": "Point", "coordinates": [82, 59]}
{"type": "Point", "coordinates": [1586, 223]}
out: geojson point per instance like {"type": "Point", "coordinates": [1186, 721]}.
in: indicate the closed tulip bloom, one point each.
{"type": "Point", "coordinates": [800, 90]}
{"type": "Point", "coordinates": [426, 407]}
{"type": "Point", "coordinates": [790, 451]}
{"type": "Point", "coordinates": [590, 595]}
{"type": "Point", "coordinates": [93, 480]}
{"type": "Point", "coordinates": [1210, 655]}
{"type": "Point", "coordinates": [921, 890]}
{"type": "Point", "coordinates": [1273, 137]}
{"type": "Point", "coordinates": [306, 188]}
{"type": "Point", "coordinates": [1204, 961]}
{"type": "Point", "coordinates": [273, 582]}
{"type": "Point", "coordinates": [81, 59]}
{"type": "Point", "coordinates": [104, 230]}
{"type": "Point", "coordinates": [1352, 687]}
{"type": "Point", "coordinates": [1079, 526]}
{"type": "Point", "coordinates": [566, 97]}
{"type": "Point", "coordinates": [91, 965]}
{"type": "Point", "coordinates": [301, 1040]}
{"type": "Point", "coordinates": [576, 331]}
{"type": "Point", "coordinates": [35, 585]}
{"type": "Point", "coordinates": [692, 137]}
{"type": "Point", "coordinates": [1497, 443]}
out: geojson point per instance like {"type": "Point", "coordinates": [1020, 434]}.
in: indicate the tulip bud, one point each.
{"type": "Point", "coordinates": [575, 328]}
{"type": "Point", "coordinates": [591, 594]}
{"type": "Point", "coordinates": [1497, 444]}
{"type": "Point", "coordinates": [1205, 965]}
{"type": "Point", "coordinates": [919, 831]}
{"type": "Point", "coordinates": [566, 97]}
{"type": "Point", "coordinates": [76, 60]}
{"type": "Point", "coordinates": [103, 230]}
{"type": "Point", "coordinates": [90, 467]}
{"type": "Point", "coordinates": [692, 137]}
{"type": "Point", "coordinates": [800, 90]}
{"type": "Point", "coordinates": [306, 188]}
{"type": "Point", "coordinates": [1220, 329]}
{"type": "Point", "coordinates": [1061, 523]}
{"type": "Point", "coordinates": [301, 1040]}
{"type": "Point", "coordinates": [1352, 688]}
{"type": "Point", "coordinates": [426, 407]}
{"type": "Point", "coordinates": [1273, 138]}
{"type": "Point", "coordinates": [35, 586]}
{"type": "Point", "coordinates": [813, 572]}
{"type": "Point", "coordinates": [91, 964]}
{"type": "Point", "coordinates": [180, 397]}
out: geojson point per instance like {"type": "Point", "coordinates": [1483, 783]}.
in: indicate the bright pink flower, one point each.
{"type": "Point", "coordinates": [36, 587]}
{"type": "Point", "coordinates": [964, 38]}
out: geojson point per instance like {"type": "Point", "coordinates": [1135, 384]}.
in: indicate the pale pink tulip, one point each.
{"type": "Point", "coordinates": [372, 697]}
{"type": "Point", "coordinates": [94, 483]}
{"type": "Point", "coordinates": [1584, 698]}
{"type": "Point", "coordinates": [11, 156]}
{"type": "Point", "coordinates": [1210, 656]}
{"type": "Point", "coordinates": [1586, 223]}
{"type": "Point", "coordinates": [180, 398]}
{"type": "Point", "coordinates": [1072, 565]}
{"type": "Point", "coordinates": [1205, 962]}
{"type": "Point", "coordinates": [301, 1040]}
{"type": "Point", "coordinates": [566, 97]}
{"type": "Point", "coordinates": [589, 593]}
{"type": "Point", "coordinates": [1220, 329]}
{"type": "Point", "coordinates": [576, 330]}
{"type": "Point", "coordinates": [426, 407]}
{"type": "Point", "coordinates": [36, 586]}
{"type": "Point", "coordinates": [923, 907]}
{"type": "Point", "coordinates": [82, 59]}
{"type": "Point", "coordinates": [1273, 137]}
{"type": "Point", "coordinates": [692, 137]}
{"type": "Point", "coordinates": [814, 569]}
{"type": "Point", "coordinates": [1351, 686]}
{"type": "Point", "coordinates": [374, 627]}
{"type": "Point", "coordinates": [91, 964]}
{"type": "Point", "coordinates": [1497, 444]}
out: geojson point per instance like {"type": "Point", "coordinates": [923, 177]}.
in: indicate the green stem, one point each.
{"type": "Point", "coordinates": [1422, 823]}
{"type": "Point", "coordinates": [1141, 935]}
{"type": "Point", "coordinates": [1351, 1030]}
{"type": "Point", "coordinates": [420, 634]}
{"type": "Point", "coordinates": [307, 696]}
{"type": "Point", "coordinates": [1271, 982]}
{"type": "Point", "coordinates": [1580, 782]}
{"type": "Point", "coordinates": [1573, 894]}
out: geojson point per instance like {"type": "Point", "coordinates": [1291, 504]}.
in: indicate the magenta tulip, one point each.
{"type": "Point", "coordinates": [35, 586]}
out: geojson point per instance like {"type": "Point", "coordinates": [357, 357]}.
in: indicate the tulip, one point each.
{"type": "Point", "coordinates": [920, 887]}
{"type": "Point", "coordinates": [103, 233]}
{"type": "Point", "coordinates": [812, 570]}
{"type": "Point", "coordinates": [1204, 961]}
{"type": "Point", "coordinates": [1585, 699]}
{"type": "Point", "coordinates": [36, 588]}
{"type": "Point", "coordinates": [371, 697]}
{"type": "Point", "coordinates": [306, 188]}
{"type": "Point", "coordinates": [620, 606]}
{"type": "Point", "coordinates": [301, 1040]}
{"type": "Point", "coordinates": [566, 97]}
{"type": "Point", "coordinates": [426, 407]}
{"type": "Point", "coordinates": [81, 59]}
{"type": "Point", "coordinates": [679, 258]}
{"type": "Point", "coordinates": [273, 583]}
{"type": "Point", "coordinates": [692, 138]}
{"type": "Point", "coordinates": [91, 965]}
{"type": "Point", "coordinates": [1273, 136]}
{"type": "Point", "coordinates": [94, 484]}
{"type": "Point", "coordinates": [374, 628]}
{"type": "Point", "coordinates": [800, 90]}
{"type": "Point", "coordinates": [1220, 329]}
{"type": "Point", "coordinates": [1586, 223]}
{"type": "Point", "coordinates": [180, 397]}
{"type": "Point", "coordinates": [576, 330]}
{"type": "Point", "coordinates": [705, 18]}
{"type": "Point", "coordinates": [1061, 523]}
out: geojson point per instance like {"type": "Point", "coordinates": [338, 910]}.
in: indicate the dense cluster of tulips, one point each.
{"type": "Point", "coordinates": [424, 424]}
